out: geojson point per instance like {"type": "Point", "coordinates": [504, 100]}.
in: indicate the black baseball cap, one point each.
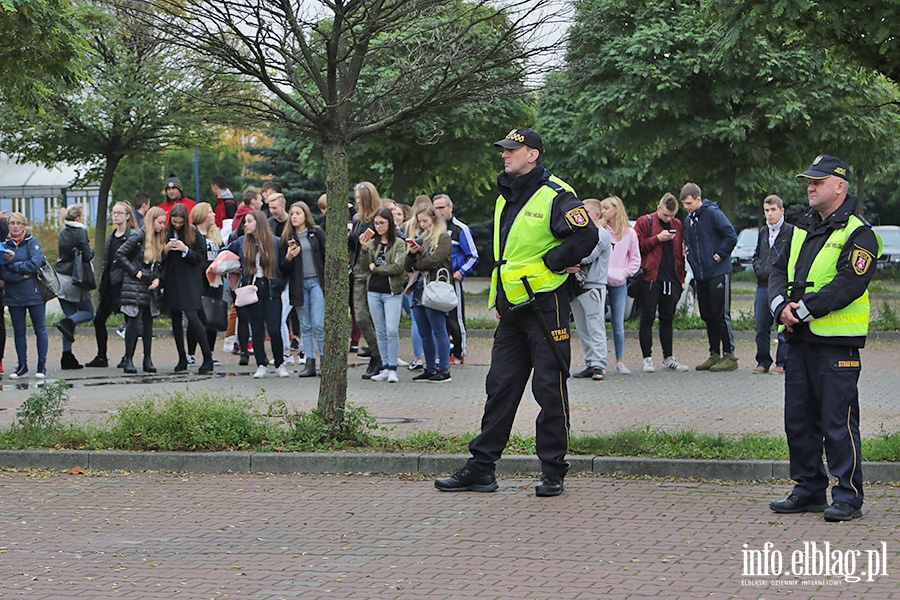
{"type": "Point", "coordinates": [825, 166]}
{"type": "Point", "coordinates": [523, 136]}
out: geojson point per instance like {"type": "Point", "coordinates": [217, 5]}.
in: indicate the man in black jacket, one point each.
{"type": "Point", "coordinates": [544, 233]}
{"type": "Point", "coordinates": [774, 239]}
{"type": "Point", "coordinates": [818, 291]}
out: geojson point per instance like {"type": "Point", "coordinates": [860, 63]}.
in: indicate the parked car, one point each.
{"type": "Point", "coordinates": [890, 237]}
{"type": "Point", "coordinates": [742, 255]}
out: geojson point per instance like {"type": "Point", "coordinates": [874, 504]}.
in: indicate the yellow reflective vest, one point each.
{"type": "Point", "coordinates": [529, 239]}
{"type": "Point", "coordinates": [853, 319]}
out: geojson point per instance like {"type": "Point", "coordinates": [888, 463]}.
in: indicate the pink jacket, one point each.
{"type": "Point", "coordinates": [625, 258]}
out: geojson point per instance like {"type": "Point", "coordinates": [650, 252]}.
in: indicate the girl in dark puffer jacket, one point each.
{"type": "Point", "coordinates": [141, 260]}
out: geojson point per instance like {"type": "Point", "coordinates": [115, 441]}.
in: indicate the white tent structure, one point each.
{"type": "Point", "coordinates": [39, 193]}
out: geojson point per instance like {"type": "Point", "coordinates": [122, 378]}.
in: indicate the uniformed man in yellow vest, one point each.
{"type": "Point", "coordinates": [541, 232]}
{"type": "Point", "coordinates": [817, 290]}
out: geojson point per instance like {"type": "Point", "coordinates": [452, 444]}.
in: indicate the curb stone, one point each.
{"type": "Point", "coordinates": [427, 464]}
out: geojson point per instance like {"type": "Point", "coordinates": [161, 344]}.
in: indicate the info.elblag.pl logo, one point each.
{"type": "Point", "coordinates": [811, 563]}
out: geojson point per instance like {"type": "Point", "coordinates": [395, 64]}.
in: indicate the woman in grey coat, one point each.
{"type": "Point", "coordinates": [74, 297]}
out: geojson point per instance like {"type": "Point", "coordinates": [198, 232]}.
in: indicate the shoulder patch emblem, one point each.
{"type": "Point", "coordinates": [861, 259]}
{"type": "Point", "coordinates": [577, 217]}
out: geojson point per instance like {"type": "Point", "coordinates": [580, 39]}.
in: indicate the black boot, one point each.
{"type": "Point", "coordinates": [373, 369]}
{"type": "Point", "coordinates": [245, 359]}
{"type": "Point", "coordinates": [129, 365]}
{"type": "Point", "coordinates": [69, 362]}
{"type": "Point", "coordinates": [67, 329]}
{"type": "Point", "coordinates": [310, 369]}
{"type": "Point", "coordinates": [207, 366]}
{"type": "Point", "coordinates": [182, 365]}
{"type": "Point", "coordinates": [148, 365]}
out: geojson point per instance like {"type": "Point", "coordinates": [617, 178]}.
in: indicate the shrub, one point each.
{"type": "Point", "coordinates": [189, 421]}
{"type": "Point", "coordinates": [42, 410]}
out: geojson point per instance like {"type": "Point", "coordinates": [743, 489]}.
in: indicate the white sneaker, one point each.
{"type": "Point", "coordinates": [282, 371]}
{"type": "Point", "coordinates": [392, 377]}
{"type": "Point", "coordinates": [648, 365]}
{"type": "Point", "coordinates": [216, 361]}
{"type": "Point", "coordinates": [300, 360]}
{"type": "Point", "coordinates": [382, 375]}
{"type": "Point", "coordinates": [228, 344]}
{"type": "Point", "coordinates": [191, 360]}
{"type": "Point", "coordinates": [288, 359]}
{"type": "Point", "coordinates": [673, 365]}
{"type": "Point", "coordinates": [261, 371]}
{"type": "Point", "coordinates": [402, 363]}
{"type": "Point", "coordinates": [621, 368]}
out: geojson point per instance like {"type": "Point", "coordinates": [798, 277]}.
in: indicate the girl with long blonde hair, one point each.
{"type": "Point", "coordinates": [141, 258]}
{"type": "Point", "coordinates": [624, 261]}
{"type": "Point", "coordinates": [368, 202]}
{"type": "Point", "coordinates": [429, 252]}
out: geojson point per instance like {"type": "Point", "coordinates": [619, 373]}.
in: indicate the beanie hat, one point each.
{"type": "Point", "coordinates": [173, 182]}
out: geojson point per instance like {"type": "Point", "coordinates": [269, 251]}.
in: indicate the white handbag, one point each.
{"type": "Point", "coordinates": [245, 294]}
{"type": "Point", "coordinates": [440, 294]}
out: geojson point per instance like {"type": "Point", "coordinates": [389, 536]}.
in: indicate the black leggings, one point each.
{"type": "Point", "coordinates": [108, 303]}
{"type": "Point", "coordinates": [143, 322]}
{"type": "Point", "coordinates": [195, 326]}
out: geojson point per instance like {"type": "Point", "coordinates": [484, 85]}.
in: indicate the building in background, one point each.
{"type": "Point", "coordinates": [39, 193]}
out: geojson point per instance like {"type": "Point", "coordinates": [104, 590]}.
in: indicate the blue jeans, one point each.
{"type": "Point", "coordinates": [433, 328]}
{"type": "Point", "coordinates": [78, 312]}
{"type": "Point", "coordinates": [385, 310]}
{"type": "Point", "coordinates": [38, 321]}
{"type": "Point", "coordinates": [312, 318]}
{"type": "Point", "coordinates": [764, 321]}
{"type": "Point", "coordinates": [418, 351]}
{"type": "Point", "coordinates": [617, 296]}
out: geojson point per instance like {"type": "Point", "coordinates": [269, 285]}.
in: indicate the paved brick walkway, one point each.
{"type": "Point", "coordinates": [155, 535]}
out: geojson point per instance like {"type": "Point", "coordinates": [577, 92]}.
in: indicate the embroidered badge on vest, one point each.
{"type": "Point", "coordinates": [861, 259]}
{"type": "Point", "coordinates": [577, 217]}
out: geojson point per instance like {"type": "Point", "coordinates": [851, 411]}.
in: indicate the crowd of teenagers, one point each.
{"type": "Point", "coordinates": [258, 277]}
{"type": "Point", "coordinates": [186, 260]}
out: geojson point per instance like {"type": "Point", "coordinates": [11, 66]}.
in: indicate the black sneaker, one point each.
{"type": "Point", "coordinates": [550, 485]}
{"type": "Point", "coordinates": [295, 343]}
{"type": "Point", "coordinates": [796, 504]}
{"type": "Point", "coordinates": [21, 372]}
{"type": "Point", "coordinates": [586, 374]}
{"type": "Point", "coordinates": [440, 377]}
{"type": "Point", "coordinates": [464, 480]}
{"type": "Point", "coordinates": [841, 511]}
{"type": "Point", "coordinates": [424, 376]}
{"type": "Point", "coordinates": [98, 361]}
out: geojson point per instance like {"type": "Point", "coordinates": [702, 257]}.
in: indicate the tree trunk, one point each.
{"type": "Point", "coordinates": [729, 193]}
{"type": "Point", "coordinates": [333, 386]}
{"type": "Point", "coordinates": [109, 171]}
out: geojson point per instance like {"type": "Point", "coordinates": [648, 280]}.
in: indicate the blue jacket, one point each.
{"type": "Point", "coordinates": [707, 231]}
{"type": "Point", "coordinates": [276, 286]}
{"type": "Point", "coordinates": [464, 255]}
{"type": "Point", "coordinates": [21, 284]}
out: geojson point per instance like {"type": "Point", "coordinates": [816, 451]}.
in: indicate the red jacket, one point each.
{"type": "Point", "coordinates": [225, 209]}
{"type": "Point", "coordinates": [168, 205]}
{"type": "Point", "coordinates": [651, 247]}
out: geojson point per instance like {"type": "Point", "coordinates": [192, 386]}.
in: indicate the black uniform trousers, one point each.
{"type": "Point", "coordinates": [520, 350]}
{"type": "Point", "coordinates": [821, 405]}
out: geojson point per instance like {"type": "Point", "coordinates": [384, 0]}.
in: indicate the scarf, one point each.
{"type": "Point", "coordinates": [18, 240]}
